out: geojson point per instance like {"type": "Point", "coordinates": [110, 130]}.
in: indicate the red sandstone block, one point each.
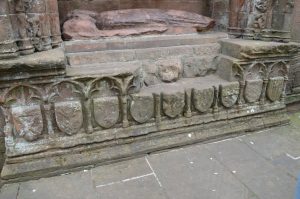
{"type": "Point", "coordinates": [52, 6]}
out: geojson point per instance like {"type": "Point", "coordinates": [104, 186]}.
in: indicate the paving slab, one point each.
{"type": "Point", "coordinates": [192, 173]}
{"type": "Point", "coordinates": [262, 165]}
{"type": "Point", "coordinates": [9, 191]}
{"type": "Point", "coordinates": [278, 145]}
{"type": "Point", "coordinates": [295, 120]}
{"type": "Point", "coordinates": [142, 188]}
{"type": "Point", "coordinates": [120, 171]}
{"type": "Point", "coordinates": [73, 186]}
{"type": "Point", "coordinates": [261, 176]}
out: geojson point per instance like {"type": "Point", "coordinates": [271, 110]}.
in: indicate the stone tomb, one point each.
{"type": "Point", "coordinates": [91, 102]}
{"type": "Point", "coordinates": [130, 96]}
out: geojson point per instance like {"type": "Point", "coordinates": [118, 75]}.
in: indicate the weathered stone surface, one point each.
{"type": "Point", "coordinates": [261, 19]}
{"type": "Point", "coordinates": [142, 108]}
{"type": "Point", "coordinates": [203, 99]}
{"type": "Point", "coordinates": [2, 122]}
{"type": "Point", "coordinates": [230, 94]}
{"type": "Point", "coordinates": [245, 49]}
{"type": "Point", "coordinates": [29, 27]}
{"type": "Point", "coordinates": [106, 111]}
{"type": "Point", "coordinates": [214, 181]}
{"type": "Point", "coordinates": [9, 191]}
{"type": "Point", "coordinates": [169, 70]}
{"type": "Point", "coordinates": [198, 6]}
{"type": "Point", "coordinates": [253, 90]}
{"type": "Point", "coordinates": [77, 185]}
{"type": "Point", "coordinates": [28, 121]}
{"type": "Point", "coordinates": [146, 188]}
{"type": "Point", "coordinates": [43, 60]}
{"type": "Point", "coordinates": [86, 24]}
{"type": "Point", "coordinates": [8, 47]}
{"type": "Point", "coordinates": [119, 113]}
{"type": "Point", "coordinates": [206, 40]}
{"type": "Point", "coordinates": [275, 88]}
{"type": "Point", "coordinates": [198, 66]}
{"type": "Point", "coordinates": [96, 154]}
{"type": "Point", "coordinates": [242, 160]}
{"type": "Point", "coordinates": [69, 117]}
{"type": "Point", "coordinates": [173, 104]}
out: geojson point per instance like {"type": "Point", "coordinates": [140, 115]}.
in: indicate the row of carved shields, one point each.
{"type": "Point", "coordinates": [29, 122]}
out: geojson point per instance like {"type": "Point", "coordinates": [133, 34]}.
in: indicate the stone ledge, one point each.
{"type": "Point", "coordinates": [142, 42]}
{"type": "Point", "coordinates": [250, 49]}
{"type": "Point", "coordinates": [51, 59]}
{"type": "Point", "coordinates": [97, 155]}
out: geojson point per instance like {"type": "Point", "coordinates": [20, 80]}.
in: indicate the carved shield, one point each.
{"type": "Point", "coordinates": [275, 88]}
{"type": "Point", "coordinates": [173, 104]}
{"type": "Point", "coordinates": [69, 116]}
{"type": "Point", "coordinates": [230, 94]}
{"type": "Point", "coordinates": [203, 99]}
{"type": "Point", "coordinates": [142, 108]}
{"type": "Point", "coordinates": [253, 90]}
{"type": "Point", "coordinates": [106, 111]}
{"type": "Point", "coordinates": [28, 121]}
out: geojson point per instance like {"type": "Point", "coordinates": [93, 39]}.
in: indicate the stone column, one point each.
{"type": "Point", "coordinates": [39, 24]}
{"type": "Point", "coordinates": [8, 47]}
{"type": "Point", "coordinates": [52, 10]}
{"type": "Point", "coordinates": [35, 24]}
{"type": "Point", "coordinates": [20, 26]}
{"type": "Point", "coordinates": [235, 8]}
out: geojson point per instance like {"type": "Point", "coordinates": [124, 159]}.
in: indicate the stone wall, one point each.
{"type": "Point", "coordinates": [65, 6]}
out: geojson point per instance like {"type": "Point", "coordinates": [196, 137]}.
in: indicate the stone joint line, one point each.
{"type": "Point", "coordinates": [125, 180]}
{"type": "Point", "coordinates": [153, 172]}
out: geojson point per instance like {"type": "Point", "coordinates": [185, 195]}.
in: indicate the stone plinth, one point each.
{"type": "Point", "coordinates": [257, 64]}
{"type": "Point", "coordinates": [139, 96]}
{"type": "Point", "coordinates": [34, 68]}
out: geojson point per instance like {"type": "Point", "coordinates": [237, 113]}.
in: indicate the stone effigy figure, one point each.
{"type": "Point", "coordinates": [82, 24]}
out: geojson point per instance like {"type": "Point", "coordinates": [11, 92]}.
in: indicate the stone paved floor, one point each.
{"type": "Point", "coordinates": [263, 165]}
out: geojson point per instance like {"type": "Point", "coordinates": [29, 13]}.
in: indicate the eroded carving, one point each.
{"type": "Point", "coordinates": [30, 26]}
{"type": "Point", "coordinates": [253, 90]}
{"type": "Point", "coordinates": [203, 99]}
{"type": "Point", "coordinates": [106, 111]}
{"type": "Point", "coordinates": [173, 104]}
{"type": "Point", "coordinates": [142, 108]}
{"type": "Point", "coordinates": [230, 94]}
{"type": "Point", "coordinates": [275, 88]}
{"type": "Point", "coordinates": [69, 117]}
{"type": "Point", "coordinates": [82, 24]}
{"type": "Point", "coordinates": [27, 121]}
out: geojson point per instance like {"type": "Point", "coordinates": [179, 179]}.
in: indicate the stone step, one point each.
{"type": "Point", "coordinates": [83, 58]}
{"type": "Point", "coordinates": [183, 84]}
{"type": "Point", "coordinates": [104, 69]}
{"type": "Point", "coordinates": [188, 66]}
{"type": "Point", "coordinates": [142, 42]}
